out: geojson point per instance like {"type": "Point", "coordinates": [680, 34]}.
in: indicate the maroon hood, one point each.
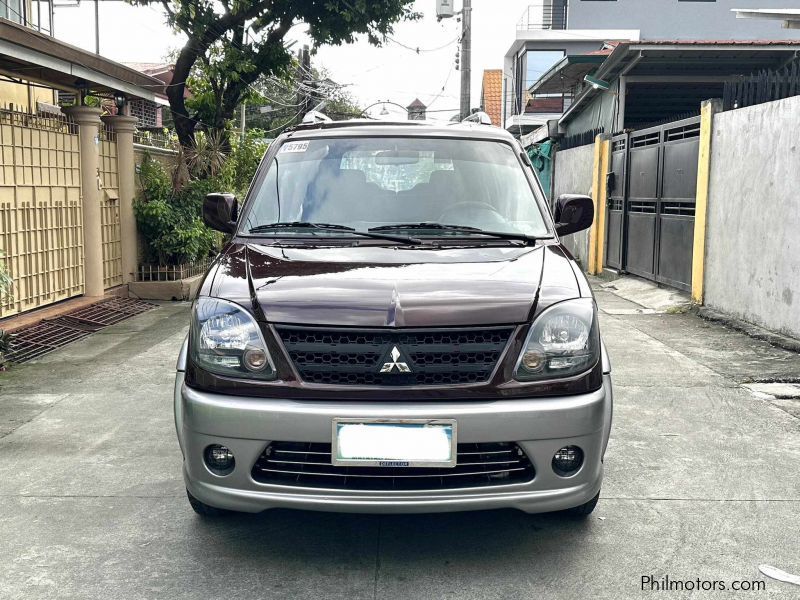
{"type": "Point", "coordinates": [377, 286]}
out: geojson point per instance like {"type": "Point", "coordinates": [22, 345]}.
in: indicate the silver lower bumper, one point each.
{"type": "Point", "coordinates": [539, 426]}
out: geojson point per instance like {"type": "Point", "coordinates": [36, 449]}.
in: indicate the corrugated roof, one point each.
{"type": "Point", "coordinates": [492, 94]}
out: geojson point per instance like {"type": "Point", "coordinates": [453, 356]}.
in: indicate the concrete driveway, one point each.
{"type": "Point", "coordinates": [702, 483]}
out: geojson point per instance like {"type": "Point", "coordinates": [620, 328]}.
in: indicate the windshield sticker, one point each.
{"type": "Point", "coordinates": [294, 147]}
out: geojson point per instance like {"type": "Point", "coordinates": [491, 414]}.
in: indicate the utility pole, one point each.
{"type": "Point", "coordinates": [241, 134]}
{"type": "Point", "coordinates": [466, 51]}
{"type": "Point", "coordinates": [304, 80]}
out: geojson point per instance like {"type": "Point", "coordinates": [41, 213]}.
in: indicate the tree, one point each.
{"type": "Point", "coordinates": [238, 41]}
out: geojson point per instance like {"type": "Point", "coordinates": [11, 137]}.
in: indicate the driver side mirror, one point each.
{"type": "Point", "coordinates": [573, 213]}
{"type": "Point", "coordinates": [220, 212]}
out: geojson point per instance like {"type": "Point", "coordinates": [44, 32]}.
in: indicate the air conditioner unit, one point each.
{"type": "Point", "coordinates": [444, 9]}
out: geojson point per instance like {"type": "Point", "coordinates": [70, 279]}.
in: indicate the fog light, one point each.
{"type": "Point", "coordinates": [567, 460]}
{"type": "Point", "coordinates": [219, 459]}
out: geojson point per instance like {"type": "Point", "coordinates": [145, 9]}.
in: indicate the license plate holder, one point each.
{"type": "Point", "coordinates": [394, 442]}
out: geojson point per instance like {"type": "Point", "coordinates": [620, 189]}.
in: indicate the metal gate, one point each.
{"type": "Point", "coordinates": [651, 201]}
{"type": "Point", "coordinates": [41, 227]}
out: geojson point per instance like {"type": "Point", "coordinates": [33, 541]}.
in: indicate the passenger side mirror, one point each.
{"type": "Point", "coordinates": [220, 212]}
{"type": "Point", "coordinates": [573, 213]}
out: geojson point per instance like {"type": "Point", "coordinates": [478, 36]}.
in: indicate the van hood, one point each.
{"type": "Point", "coordinates": [377, 286]}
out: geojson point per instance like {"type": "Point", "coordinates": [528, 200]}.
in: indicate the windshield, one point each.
{"type": "Point", "coordinates": [367, 183]}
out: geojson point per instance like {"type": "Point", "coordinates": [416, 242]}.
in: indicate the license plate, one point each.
{"type": "Point", "coordinates": [394, 442]}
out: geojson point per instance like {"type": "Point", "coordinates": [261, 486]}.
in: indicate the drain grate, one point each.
{"type": "Point", "coordinates": [50, 334]}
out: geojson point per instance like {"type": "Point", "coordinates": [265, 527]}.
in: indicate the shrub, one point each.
{"type": "Point", "coordinates": [169, 221]}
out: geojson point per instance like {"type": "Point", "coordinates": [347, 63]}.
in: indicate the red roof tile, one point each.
{"type": "Point", "coordinates": [492, 94]}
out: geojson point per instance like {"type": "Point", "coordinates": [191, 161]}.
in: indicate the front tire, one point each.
{"type": "Point", "coordinates": [203, 509]}
{"type": "Point", "coordinates": [584, 510]}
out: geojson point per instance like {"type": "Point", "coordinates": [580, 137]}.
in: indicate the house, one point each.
{"type": "Point", "coordinates": [416, 110]}
{"type": "Point", "coordinates": [67, 177]}
{"type": "Point", "coordinates": [642, 83]}
{"type": "Point", "coordinates": [492, 94]}
{"type": "Point", "coordinates": [551, 30]}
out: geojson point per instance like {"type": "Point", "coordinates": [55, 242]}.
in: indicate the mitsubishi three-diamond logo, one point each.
{"type": "Point", "coordinates": [401, 367]}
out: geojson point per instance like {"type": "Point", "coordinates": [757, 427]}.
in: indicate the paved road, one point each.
{"type": "Point", "coordinates": [702, 482]}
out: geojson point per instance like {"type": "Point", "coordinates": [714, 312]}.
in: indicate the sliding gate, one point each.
{"type": "Point", "coordinates": [651, 200]}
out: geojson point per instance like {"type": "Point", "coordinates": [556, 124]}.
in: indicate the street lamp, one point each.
{"type": "Point", "coordinates": [384, 112]}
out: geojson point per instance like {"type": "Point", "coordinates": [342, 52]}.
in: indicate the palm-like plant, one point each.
{"type": "Point", "coordinates": [207, 156]}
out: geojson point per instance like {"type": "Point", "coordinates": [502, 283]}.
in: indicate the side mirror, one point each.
{"type": "Point", "coordinates": [220, 212]}
{"type": "Point", "coordinates": [573, 213]}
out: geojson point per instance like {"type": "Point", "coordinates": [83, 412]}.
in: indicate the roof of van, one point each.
{"type": "Point", "coordinates": [370, 127]}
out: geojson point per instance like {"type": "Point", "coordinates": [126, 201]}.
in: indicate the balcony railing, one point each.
{"type": "Point", "coordinates": [544, 14]}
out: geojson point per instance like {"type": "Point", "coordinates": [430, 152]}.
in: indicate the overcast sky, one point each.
{"type": "Point", "coordinates": [138, 34]}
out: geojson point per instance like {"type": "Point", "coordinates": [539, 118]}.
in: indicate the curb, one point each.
{"type": "Point", "coordinates": [754, 331]}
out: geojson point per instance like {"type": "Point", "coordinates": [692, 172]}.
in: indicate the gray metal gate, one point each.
{"type": "Point", "coordinates": [651, 202]}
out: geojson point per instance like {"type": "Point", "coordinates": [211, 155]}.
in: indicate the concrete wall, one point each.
{"type": "Point", "coordinates": [752, 266]}
{"type": "Point", "coordinates": [676, 20]}
{"type": "Point", "coordinates": [573, 175]}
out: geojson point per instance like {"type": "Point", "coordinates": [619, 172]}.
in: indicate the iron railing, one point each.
{"type": "Point", "coordinates": [156, 139]}
{"type": "Point", "coordinates": [173, 272]}
{"type": "Point", "coordinates": [544, 14]}
{"type": "Point", "coordinates": [764, 86]}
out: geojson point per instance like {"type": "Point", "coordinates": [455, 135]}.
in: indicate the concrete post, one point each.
{"type": "Point", "coordinates": [707, 111]}
{"type": "Point", "coordinates": [126, 166]}
{"type": "Point", "coordinates": [88, 120]}
{"type": "Point", "coordinates": [597, 233]}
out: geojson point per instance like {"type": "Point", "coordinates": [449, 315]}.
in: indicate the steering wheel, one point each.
{"type": "Point", "coordinates": [458, 211]}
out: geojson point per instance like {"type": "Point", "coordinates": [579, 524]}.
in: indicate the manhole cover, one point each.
{"type": "Point", "coordinates": [36, 340]}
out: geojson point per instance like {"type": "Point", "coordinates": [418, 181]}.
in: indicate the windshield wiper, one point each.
{"type": "Point", "coordinates": [403, 239]}
{"type": "Point", "coordinates": [507, 235]}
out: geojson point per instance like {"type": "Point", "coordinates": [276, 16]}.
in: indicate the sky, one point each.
{"type": "Point", "coordinates": [391, 72]}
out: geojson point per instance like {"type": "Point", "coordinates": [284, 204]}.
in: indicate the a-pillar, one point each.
{"type": "Point", "coordinates": [88, 120]}
{"type": "Point", "coordinates": [125, 127]}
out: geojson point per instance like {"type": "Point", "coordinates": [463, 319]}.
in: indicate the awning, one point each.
{"type": "Point", "coordinates": [687, 61]}
{"type": "Point", "coordinates": [28, 55]}
{"type": "Point", "coordinates": [567, 73]}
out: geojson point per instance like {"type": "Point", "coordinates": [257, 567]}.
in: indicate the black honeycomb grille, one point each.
{"type": "Point", "coordinates": [433, 357]}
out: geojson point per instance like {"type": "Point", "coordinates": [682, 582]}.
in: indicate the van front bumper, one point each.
{"type": "Point", "coordinates": [539, 426]}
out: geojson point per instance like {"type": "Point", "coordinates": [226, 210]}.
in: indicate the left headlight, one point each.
{"type": "Point", "coordinates": [226, 340]}
{"type": "Point", "coordinates": [563, 341]}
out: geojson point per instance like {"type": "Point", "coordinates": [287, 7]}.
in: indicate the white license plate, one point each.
{"type": "Point", "coordinates": [394, 442]}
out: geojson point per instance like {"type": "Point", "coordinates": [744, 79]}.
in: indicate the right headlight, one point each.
{"type": "Point", "coordinates": [226, 340]}
{"type": "Point", "coordinates": [563, 341]}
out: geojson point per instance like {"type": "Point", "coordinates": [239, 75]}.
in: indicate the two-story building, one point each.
{"type": "Point", "coordinates": [551, 31]}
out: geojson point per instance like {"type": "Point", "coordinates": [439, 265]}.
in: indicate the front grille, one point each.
{"type": "Point", "coordinates": [304, 464]}
{"type": "Point", "coordinates": [433, 356]}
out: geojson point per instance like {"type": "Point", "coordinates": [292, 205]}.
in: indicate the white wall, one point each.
{"type": "Point", "coordinates": [573, 175]}
{"type": "Point", "coordinates": [752, 267]}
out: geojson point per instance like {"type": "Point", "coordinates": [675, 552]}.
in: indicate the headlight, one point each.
{"type": "Point", "coordinates": [564, 341]}
{"type": "Point", "coordinates": [226, 340]}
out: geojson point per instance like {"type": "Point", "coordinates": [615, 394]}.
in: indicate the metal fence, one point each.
{"type": "Point", "coordinates": [762, 87]}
